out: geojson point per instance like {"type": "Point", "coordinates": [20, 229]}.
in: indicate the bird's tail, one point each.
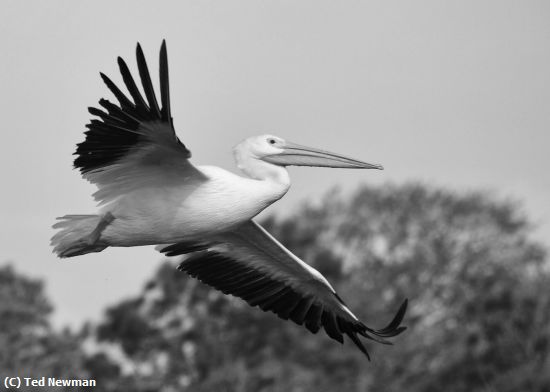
{"type": "Point", "coordinates": [75, 235]}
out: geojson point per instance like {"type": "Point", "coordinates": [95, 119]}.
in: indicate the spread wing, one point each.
{"type": "Point", "coordinates": [249, 263]}
{"type": "Point", "coordinates": [134, 144]}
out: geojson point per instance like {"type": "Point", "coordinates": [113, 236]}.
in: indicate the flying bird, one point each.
{"type": "Point", "coordinates": [149, 193]}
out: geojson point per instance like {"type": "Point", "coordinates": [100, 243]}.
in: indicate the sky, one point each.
{"type": "Point", "coordinates": [452, 94]}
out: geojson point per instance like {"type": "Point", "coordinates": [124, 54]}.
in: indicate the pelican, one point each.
{"type": "Point", "coordinates": [149, 193]}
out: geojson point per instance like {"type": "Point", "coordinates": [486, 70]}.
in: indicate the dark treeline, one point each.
{"type": "Point", "coordinates": [479, 315]}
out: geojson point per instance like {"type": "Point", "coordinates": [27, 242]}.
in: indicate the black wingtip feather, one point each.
{"type": "Point", "coordinates": [120, 113]}
{"type": "Point", "coordinates": [164, 83]}
{"type": "Point", "coordinates": [313, 318]}
{"type": "Point", "coordinates": [286, 305]}
{"type": "Point", "coordinates": [146, 81]}
{"type": "Point", "coordinates": [139, 102]}
{"type": "Point", "coordinates": [358, 343]}
{"type": "Point", "coordinates": [119, 95]}
{"type": "Point", "coordinates": [331, 326]}
{"type": "Point", "coordinates": [97, 112]}
{"type": "Point", "coordinates": [299, 312]}
{"type": "Point", "coordinates": [393, 329]}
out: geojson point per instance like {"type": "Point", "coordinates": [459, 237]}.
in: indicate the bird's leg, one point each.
{"type": "Point", "coordinates": [103, 223]}
{"type": "Point", "coordinates": [89, 243]}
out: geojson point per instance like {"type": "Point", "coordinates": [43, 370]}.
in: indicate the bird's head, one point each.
{"type": "Point", "coordinates": [277, 151]}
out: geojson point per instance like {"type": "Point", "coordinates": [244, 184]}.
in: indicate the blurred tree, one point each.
{"type": "Point", "coordinates": [29, 347]}
{"type": "Point", "coordinates": [479, 318]}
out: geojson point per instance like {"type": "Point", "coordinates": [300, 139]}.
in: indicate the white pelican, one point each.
{"type": "Point", "coordinates": [150, 193]}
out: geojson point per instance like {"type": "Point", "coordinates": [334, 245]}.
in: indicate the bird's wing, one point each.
{"type": "Point", "coordinates": [133, 144]}
{"type": "Point", "coordinates": [249, 263]}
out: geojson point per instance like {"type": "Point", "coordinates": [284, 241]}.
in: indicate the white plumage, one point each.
{"type": "Point", "coordinates": [149, 193]}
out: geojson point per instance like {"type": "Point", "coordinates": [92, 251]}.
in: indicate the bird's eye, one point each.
{"type": "Point", "coordinates": [271, 141]}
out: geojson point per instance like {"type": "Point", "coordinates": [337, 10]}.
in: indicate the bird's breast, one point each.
{"type": "Point", "coordinates": [226, 200]}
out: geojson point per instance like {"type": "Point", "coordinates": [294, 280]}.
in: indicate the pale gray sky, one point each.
{"type": "Point", "coordinates": [455, 94]}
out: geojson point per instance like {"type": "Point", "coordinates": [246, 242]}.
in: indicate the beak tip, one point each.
{"type": "Point", "coordinates": [378, 167]}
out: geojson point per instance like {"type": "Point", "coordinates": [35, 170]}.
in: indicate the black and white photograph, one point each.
{"type": "Point", "coordinates": [275, 196]}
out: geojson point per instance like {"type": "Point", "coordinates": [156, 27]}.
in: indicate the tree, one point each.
{"type": "Point", "coordinates": [29, 345]}
{"type": "Point", "coordinates": [479, 316]}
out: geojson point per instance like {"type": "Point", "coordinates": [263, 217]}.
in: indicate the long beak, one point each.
{"type": "Point", "coordinates": [297, 155]}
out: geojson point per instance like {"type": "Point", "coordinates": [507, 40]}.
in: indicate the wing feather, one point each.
{"type": "Point", "coordinates": [133, 144]}
{"type": "Point", "coordinates": [146, 82]}
{"type": "Point", "coordinates": [252, 265]}
{"type": "Point", "coordinates": [122, 99]}
{"type": "Point", "coordinates": [139, 103]}
{"type": "Point", "coordinates": [286, 304]}
{"type": "Point", "coordinates": [313, 318]}
{"type": "Point", "coordinates": [300, 311]}
{"type": "Point", "coordinates": [164, 85]}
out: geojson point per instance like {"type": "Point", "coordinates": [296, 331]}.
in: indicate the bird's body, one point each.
{"type": "Point", "coordinates": [150, 194]}
{"type": "Point", "coordinates": [213, 202]}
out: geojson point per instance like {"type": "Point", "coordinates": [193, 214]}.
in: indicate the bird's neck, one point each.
{"type": "Point", "coordinates": [264, 171]}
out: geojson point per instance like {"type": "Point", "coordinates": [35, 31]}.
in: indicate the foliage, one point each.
{"type": "Point", "coordinates": [479, 316]}
{"type": "Point", "coordinates": [29, 346]}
